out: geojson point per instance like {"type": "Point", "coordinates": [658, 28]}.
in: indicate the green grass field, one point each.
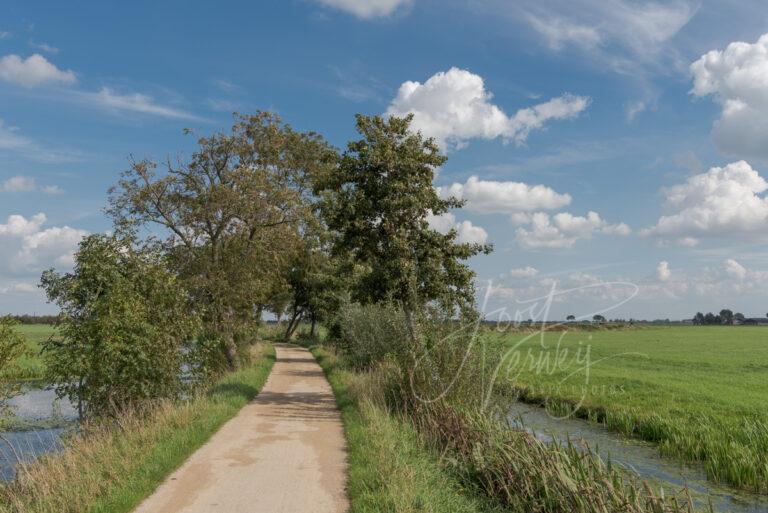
{"type": "Point", "coordinates": [31, 365]}
{"type": "Point", "coordinates": [701, 393]}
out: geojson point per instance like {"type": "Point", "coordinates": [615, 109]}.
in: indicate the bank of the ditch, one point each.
{"type": "Point", "coordinates": [390, 467]}
{"type": "Point", "coordinates": [110, 469]}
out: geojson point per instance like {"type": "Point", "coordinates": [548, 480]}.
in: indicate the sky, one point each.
{"type": "Point", "coordinates": [614, 152]}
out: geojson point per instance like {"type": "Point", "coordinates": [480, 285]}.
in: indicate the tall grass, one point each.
{"type": "Point", "coordinates": [110, 467]}
{"type": "Point", "coordinates": [441, 386]}
{"type": "Point", "coordinates": [391, 467]}
{"type": "Point", "coordinates": [699, 393]}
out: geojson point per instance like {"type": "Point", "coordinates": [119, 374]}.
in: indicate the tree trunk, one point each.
{"type": "Point", "coordinates": [313, 329]}
{"type": "Point", "coordinates": [293, 324]}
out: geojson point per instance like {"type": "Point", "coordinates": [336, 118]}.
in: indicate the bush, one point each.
{"type": "Point", "coordinates": [12, 346]}
{"type": "Point", "coordinates": [124, 327]}
{"type": "Point", "coordinates": [366, 334]}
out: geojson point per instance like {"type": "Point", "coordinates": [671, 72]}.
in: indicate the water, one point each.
{"type": "Point", "coordinates": [41, 420]}
{"type": "Point", "coordinates": [639, 457]}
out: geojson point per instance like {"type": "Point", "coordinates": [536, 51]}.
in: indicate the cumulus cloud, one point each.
{"type": "Point", "coordinates": [523, 272]}
{"type": "Point", "coordinates": [33, 71]}
{"type": "Point", "coordinates": [366, 9]}
{"type": "Point", "coordinates": [467, 233]}
{"type": "Point", "coordinates": [737, 78]}
{"type": "Point", "coordinates": [663, 272]}
{"type": "Point", "coordinates": [487, 196]}
{"type": "Point", "coordinates": [563, 230]}
{"type": "Point", "coordinates": [453, 107]}
{"type": "Point", "coordinates": [28, 247]}
{"type": "Point", "coordinates": [724, 201]}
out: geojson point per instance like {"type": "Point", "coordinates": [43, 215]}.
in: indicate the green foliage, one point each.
{"type": "Point", "coordinates": [12, 347]}
{"type": "Point", "coordinates": [124, 327]}
{"type": "Point", "coordinates": [232, 216]}
{"type": "Point", "coordinates": [116, 464]}
{"type": "Point", "coordinates": [367, 334]}
{"type": "Point", "coordinates": [392, 467]}
{"type": "Point", "coordinates": [377, 202]}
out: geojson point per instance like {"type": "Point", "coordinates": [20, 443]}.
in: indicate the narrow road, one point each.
{"type": "Point", "coordinates": [283, 453]}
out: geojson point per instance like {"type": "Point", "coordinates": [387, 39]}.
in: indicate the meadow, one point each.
{"type": "Point", "coordinates": [699, 392]}
{"type": "Point", "coordinates": [30, 365]}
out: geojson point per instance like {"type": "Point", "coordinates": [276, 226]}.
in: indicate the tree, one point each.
{"type": "Point", "coordinates": [12, 346]}
{"type": "Point", "coordinates": [726, 316]}
{"type": "Point", "coordinates": [231, 216]}
{"type": "Point", "coordinates": [570, 318]}
{"type": "Point", "coordinates": [124, 327]}
{"type": "Point", "coordinates": [377, 202]}
{"type": "Point", "coordinates": [698, 318]}
{"type": "Point", "coordinates": [738, 316]}
{"type": "Point", "coordinates": [598, 318]}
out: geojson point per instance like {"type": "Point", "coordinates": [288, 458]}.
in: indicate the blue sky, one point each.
{"type": "Point", "coordinates": [618, 148]}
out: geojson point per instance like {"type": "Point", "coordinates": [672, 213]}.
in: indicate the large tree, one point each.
{"type": "Point", "coordinates": [12, 346]}
{"type": "Point", "coordinates": [232, 215]}
{"type": "Point", "coordinates": [377, 202]}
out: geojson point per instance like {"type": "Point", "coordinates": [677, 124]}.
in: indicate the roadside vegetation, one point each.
{"type": "Point", "coordinates": [267, 219]}
{"type": "Point", "coordinates": [698, 392]}
{"type": "Point", "coordinates": [114, 464]}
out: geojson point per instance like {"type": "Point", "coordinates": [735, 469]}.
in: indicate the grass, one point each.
{"type": "Point", "coordinates": [700, 393]}
{"type": "Point", "coordinates": [30, 366]}
{"type": "Point", "coordinates": [111, 468]}
{"type": "Point", "coordinates": [391, 468]}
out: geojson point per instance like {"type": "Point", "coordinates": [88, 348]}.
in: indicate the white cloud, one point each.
{"type": "Point", "coordinates": [663, 272]}
{"type": "Point", "coordinates": [44, 47]}
{"type": "Point", "coordinates": [737, 78]}
{"type": "Point", "coordinates": [559, 31]}
{"type": "Point", "coordinates": [18, 225]}
{"type": "Point", "coordinates": [51, 189]}
{"type": "Point", "coordinates": [486, 196]}
{"type": "Point", "coordinates": [33, 71]}
{"type": "Point", "coordinates": [18, 184]}
{"type": "Point", "coordinates": [27, 184]}
{"type": "Point", "coordinates": [467, 233]}
{"type": "Point", "coordinates": [724, 201]}
{"type": "Point", "coordinates": [523, 272]}
{"type": "Point", "coordinates": [108, 99]}
{"type": "Point", "coordinates": [563, 230]}
{"type": "Point", "coordinates": [366, 9]}
{"type": "Point", "coordinates": [27, 247]}
{"type": "Point", "coordinates": [735, 269]}
{"type": "Point", "coordinates": [454, 107]}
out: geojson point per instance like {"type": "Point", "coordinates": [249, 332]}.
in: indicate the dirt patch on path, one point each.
{"type": "Point", "coordinates": [283, 453]}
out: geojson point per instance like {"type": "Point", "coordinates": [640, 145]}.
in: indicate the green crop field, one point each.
{"type": "Point", "coordinates": [31, 365]}
{"type": "Point", "coordinates": [701, 393]}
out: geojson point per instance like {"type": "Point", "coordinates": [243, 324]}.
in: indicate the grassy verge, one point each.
{"type": "Point", "coordinates": [390, 467]}
{"type": "Point", "coordinates": [110, 469]}
{"type": "Point", "coordinates": [698, 392]}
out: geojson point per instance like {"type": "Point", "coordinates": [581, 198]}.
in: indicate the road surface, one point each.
{"type": "Point", "coordinates": [283, 453]}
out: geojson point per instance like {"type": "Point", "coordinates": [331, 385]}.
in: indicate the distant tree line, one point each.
{"type": "Point", "coordinates": [35, 319]}
{"type": "Point", "coordinates": [724, 317]}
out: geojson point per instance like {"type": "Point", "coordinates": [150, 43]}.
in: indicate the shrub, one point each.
{"type": "Point", "coordinates": [124, 327]}
{"type": "Point", "coordinates": [368, 333]}
{"type": "Point", "coordinates": [12, 346]}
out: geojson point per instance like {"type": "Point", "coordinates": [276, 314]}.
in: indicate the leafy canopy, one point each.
{"type": "Point", "coordinates": [377, 201]}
